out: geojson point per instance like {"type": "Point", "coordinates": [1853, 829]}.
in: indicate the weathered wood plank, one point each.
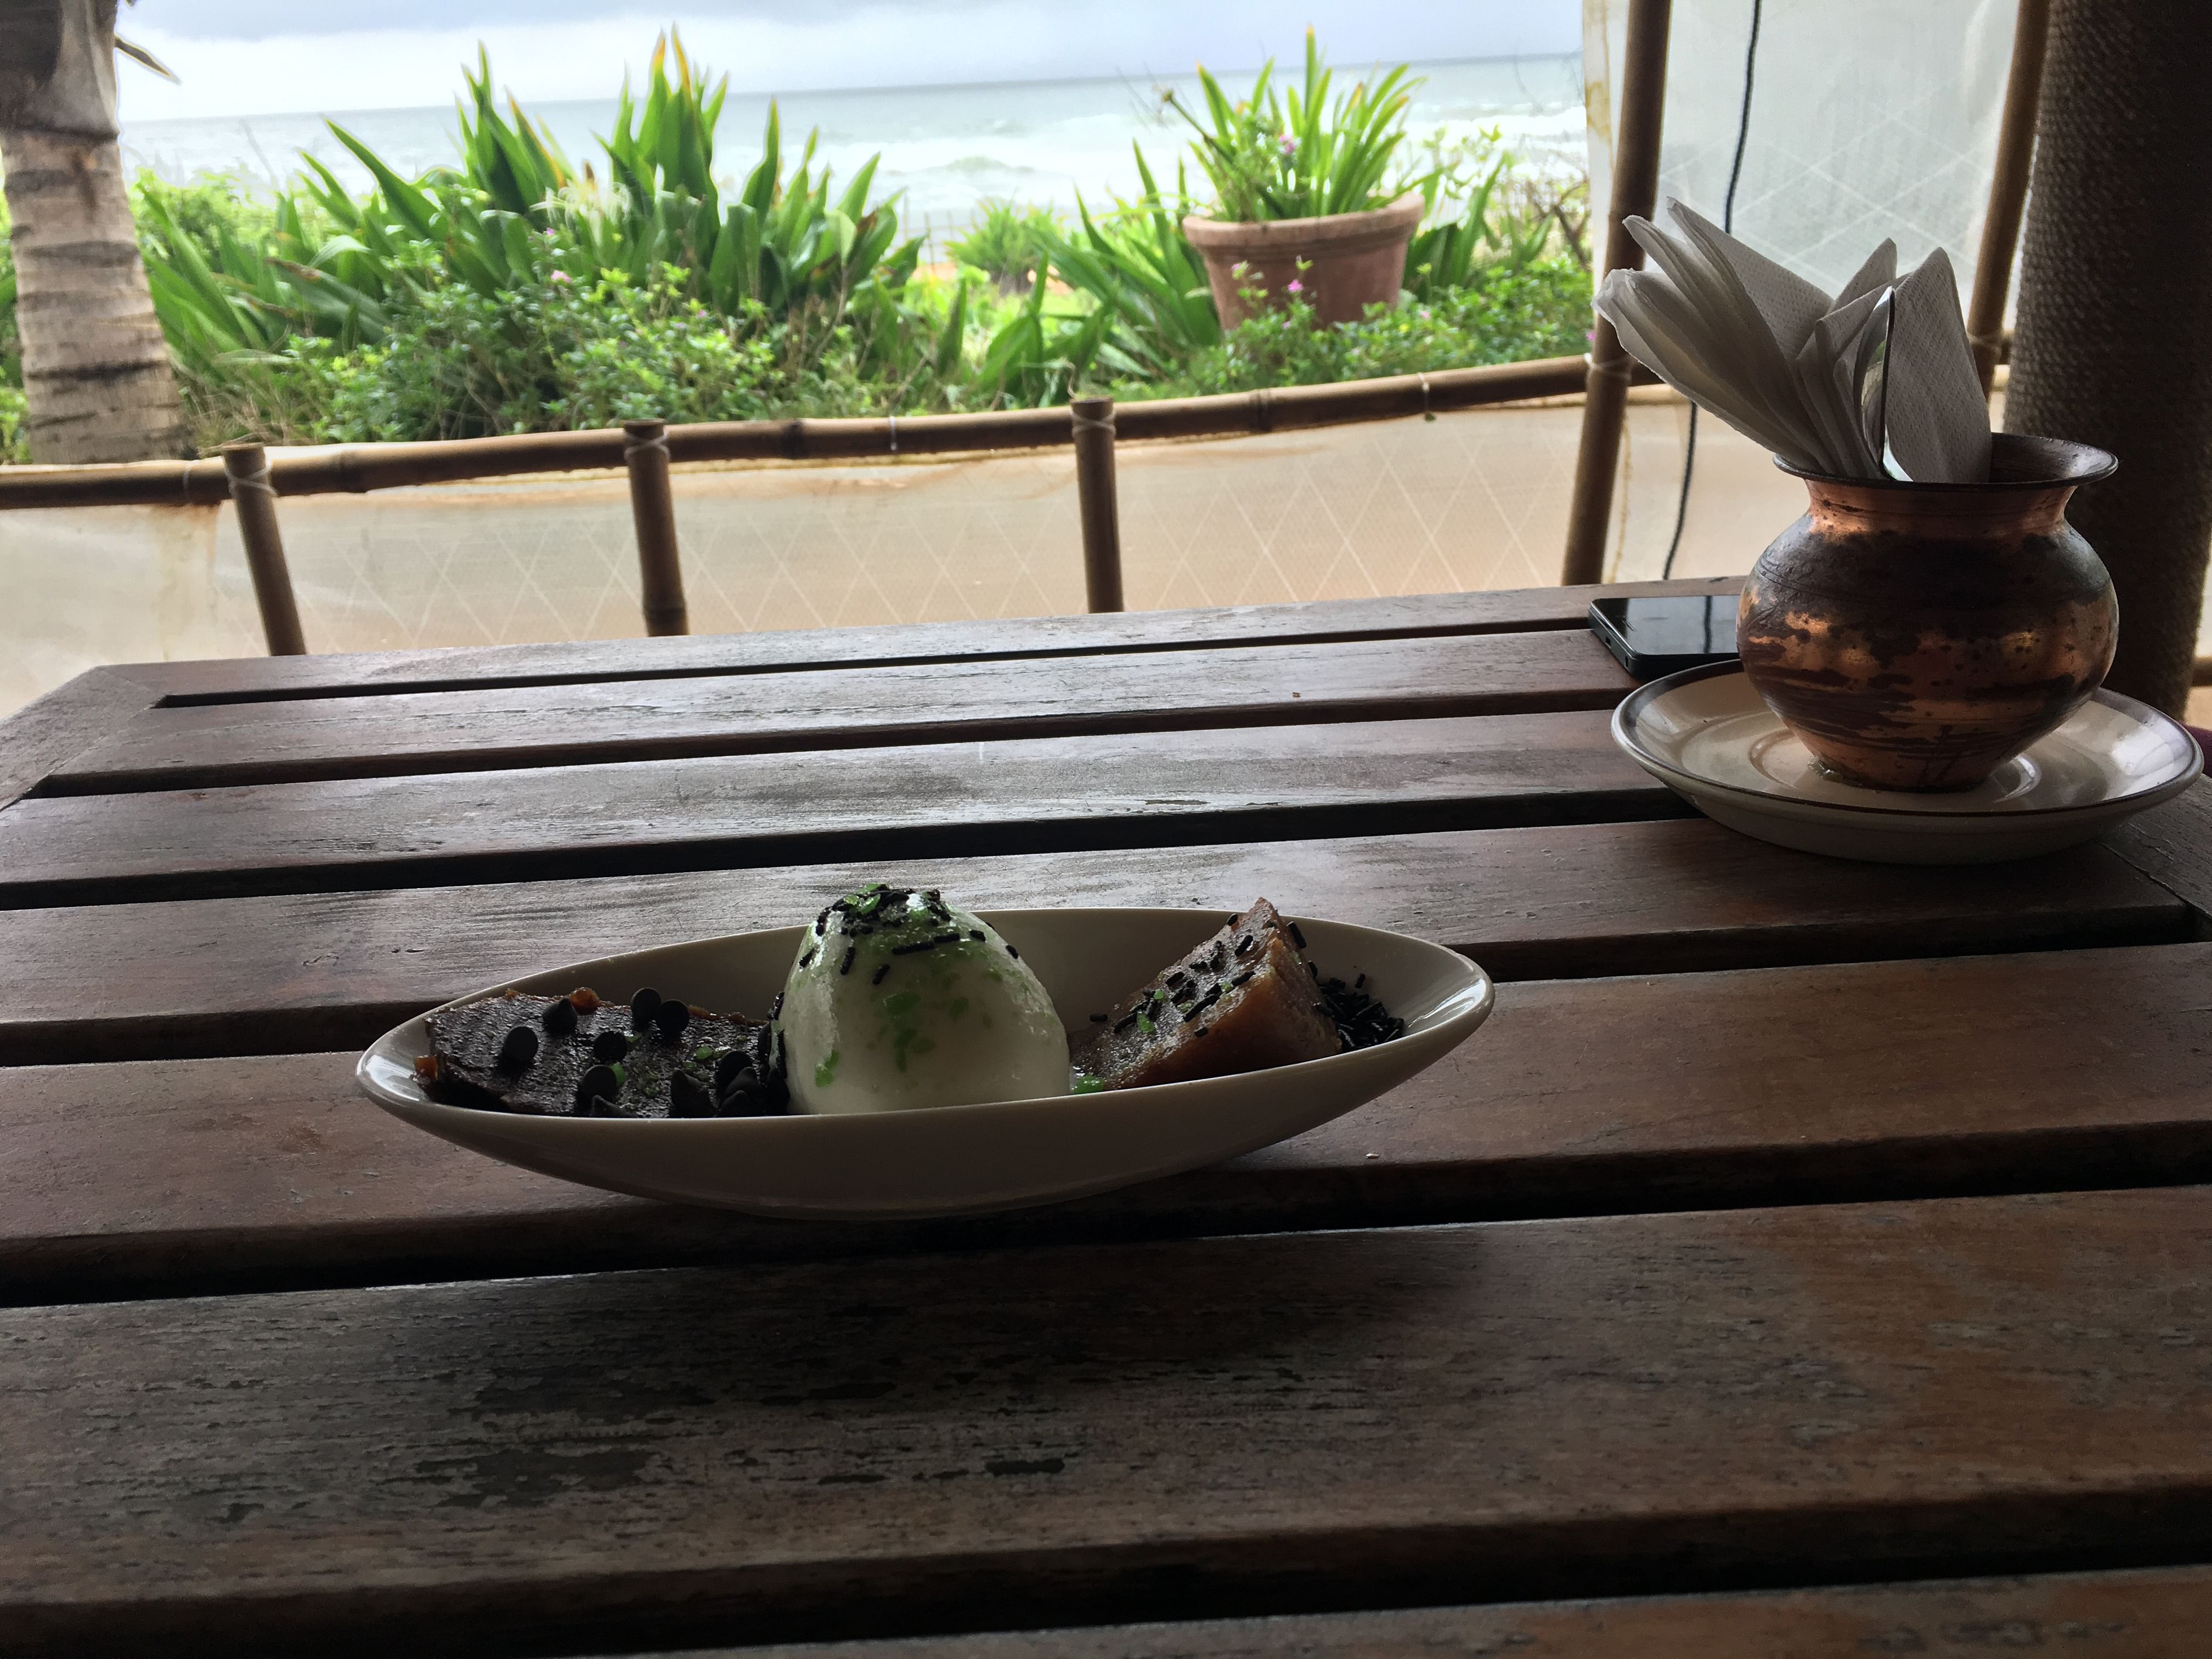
{"type": "Point", "coordinates": [942, 799]}
{"type": "Point", "coordinates": [69, 719]}
{"type": "Point", "coordinates": [1516, 610]}
{"type": "Point", "coordinates": [299, 972]}
{"type": "Point", "coordinates": [212, 744]}
{"type": "Point", "coordinates": [1992, 1073]}
{"type": "Point", "coordinates": [1293, 1423]}
{"type": "Point", "coordinates": [2157, 1614]}
{"type": "Point", "coordinates": [2172, 845]}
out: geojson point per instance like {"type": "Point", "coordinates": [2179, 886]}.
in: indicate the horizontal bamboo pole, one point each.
{"type": "Point", "coordinates": [355, 468]}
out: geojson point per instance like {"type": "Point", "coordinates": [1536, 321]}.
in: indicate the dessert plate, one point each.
{"type": "Point", "coordinates": [957, 1160]}
{"type": "Point", "coordinates": [1706, 734]}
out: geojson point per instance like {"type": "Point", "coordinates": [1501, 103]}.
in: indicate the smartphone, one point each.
{"type": "Point", "coordinates": [1662, 635]}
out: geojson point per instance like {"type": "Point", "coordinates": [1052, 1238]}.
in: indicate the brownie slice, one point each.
{"type": "Point", "coordinates": [576, 1056]}
{"type": "Point", "coordinates": [1244, 1000]}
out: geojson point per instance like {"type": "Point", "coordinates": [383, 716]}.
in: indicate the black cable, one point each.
{"type": "Point", "coordinates": [1727, 222]}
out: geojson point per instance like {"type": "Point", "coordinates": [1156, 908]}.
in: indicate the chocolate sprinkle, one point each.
{"type": "Point", "coordinates": [597, 1084]}
{"type": "Point", "coordinates": [519, 1049]}
{"type": "Point", "coordinates": [879, 974]}
{"type": "Point", "coordinates": [845, 966]}
{"type": "Point", "coordinates": [689, 1097]}
{"type": "Point", "coordinates": [807, 959]}
{"type": "Point", "coordinates": [976, 933]}
{"type": "Point", "coordinates": [1013, 952]}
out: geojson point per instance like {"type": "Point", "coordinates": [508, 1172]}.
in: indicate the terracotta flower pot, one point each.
{"type": "Point", "coordinates": [1917, 636]}
{"type": "Point", "coordinates": [1354, 260]}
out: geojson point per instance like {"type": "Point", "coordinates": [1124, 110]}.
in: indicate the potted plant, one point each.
{"type": "Point", "coordinates": [1301, 209]}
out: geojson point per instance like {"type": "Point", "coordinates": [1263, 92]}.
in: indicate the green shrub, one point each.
{"type": "Point", "coordinates": [11, 348]}
{"type": "Point", "coordinates": [1542, 310]}
{"type": "Point", "coordinates": [1010, 244]}
{"type": "Point", "coordinates": [548, 356]}
{"type": "Point", "coordinates": [12, 411]}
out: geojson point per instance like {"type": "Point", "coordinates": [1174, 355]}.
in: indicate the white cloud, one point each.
{"type": "Point", "coordinates": [229, 64]}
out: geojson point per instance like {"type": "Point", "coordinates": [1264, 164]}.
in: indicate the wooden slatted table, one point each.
{"type": "Point", "coordinates": [1809, 1258]}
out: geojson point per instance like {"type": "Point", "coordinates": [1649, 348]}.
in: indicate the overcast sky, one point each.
{"type": "Point", "coordinates": [254, 57]}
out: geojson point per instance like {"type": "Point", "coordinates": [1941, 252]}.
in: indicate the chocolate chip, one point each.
{"type": "Point", "coordinates": [670, 1019]}
{"type": "Point", "coordinates": [689, 1097]}
{"type": "Point", "coordinates": [519, 1049]}
{"type": "Point", "coordinates": [559, 1017]}
{"type": "Point", "coordinates": [600, 1081]}
{"type": "Point", "coordinates": [609, 1046]}
{"type": "Point", "coordinates": [642, 1007]}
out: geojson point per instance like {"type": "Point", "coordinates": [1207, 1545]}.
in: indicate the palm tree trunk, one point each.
{"type": "Point", "coordinates": [96, 369]}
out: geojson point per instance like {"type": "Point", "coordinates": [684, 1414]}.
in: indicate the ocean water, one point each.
{"type": "Point", "coordinates": [945, 148]}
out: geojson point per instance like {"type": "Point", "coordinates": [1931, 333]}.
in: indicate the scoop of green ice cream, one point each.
{"type": "Point", "coordinates": [899, 1000]}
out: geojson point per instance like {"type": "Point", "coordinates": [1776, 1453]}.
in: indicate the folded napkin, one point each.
{"type": "Point", "coordinates": [1876, 381]}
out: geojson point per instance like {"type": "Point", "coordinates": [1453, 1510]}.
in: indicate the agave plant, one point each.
{"type": "Point", "coordinates": [516, 210]}
{"type": "Point", "coordinates": [1145, 277]}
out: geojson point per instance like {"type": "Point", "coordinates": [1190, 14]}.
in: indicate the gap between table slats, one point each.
{"type": "Point", "coordinates": [190, 1177]}
{"type": "Point", "coordinates": [296, 972]}
{"type": "Point", "coordinates": [1324, 622]}
{"type": "Point", "coordinates": [2160, 1613]}
{"type": "Point", "coordinates": [1053, 795]}
{"type": "Point", "coordinates": [850, 708]}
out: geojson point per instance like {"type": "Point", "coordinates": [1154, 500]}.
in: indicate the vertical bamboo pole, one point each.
{"type": "Point", "coordinates": [2031, 37]}
{"type": "Point", "coordinates": [1635, 185]}
{"type": "Point", "coordinates": [652, 510]}
{"type": "Point", "coordinates": [1096, 496]}
{"type": "Point", "coordinates": [253, 498]}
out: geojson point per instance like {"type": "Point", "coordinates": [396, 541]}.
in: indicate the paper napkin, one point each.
{"type": "Point", "coordinates": [1874, 381]}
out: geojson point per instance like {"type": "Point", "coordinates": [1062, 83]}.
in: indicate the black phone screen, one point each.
{"type": "Point", "coordinates": [1664, 635]}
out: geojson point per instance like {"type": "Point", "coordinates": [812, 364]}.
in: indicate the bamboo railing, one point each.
{"type": "Point", "coordinates": [254, 478]}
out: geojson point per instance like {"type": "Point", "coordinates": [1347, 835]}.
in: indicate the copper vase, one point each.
{"type": "Point", "coordinates": [1919, 636]}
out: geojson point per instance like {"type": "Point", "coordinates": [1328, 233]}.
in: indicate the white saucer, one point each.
{"type": "Point", "coordinates": [955, 1160]}
{"type": "Point", "coordinates": [1706, 734]}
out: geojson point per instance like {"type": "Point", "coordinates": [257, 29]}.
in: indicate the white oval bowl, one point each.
{"type": "Point", "coordinates": [957, 1160]}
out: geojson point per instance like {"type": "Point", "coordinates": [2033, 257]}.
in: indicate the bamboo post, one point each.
{"type": "Point", "coordinates": [1635, 185]}
{"type": "Point", "coordinates": [253, 498]}
{"type": "Point", "coordinates": [653, 509]}
{"type": "Point", "coordinates": [1096, 496]}
{"type": "Point", "coordinates": [2031, 37]}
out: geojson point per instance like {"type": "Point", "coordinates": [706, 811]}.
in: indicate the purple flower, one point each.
{"type": "Point", "coordinates": [1290, 146]}
{"type": "Point", "coordinates": [1296, 287]}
